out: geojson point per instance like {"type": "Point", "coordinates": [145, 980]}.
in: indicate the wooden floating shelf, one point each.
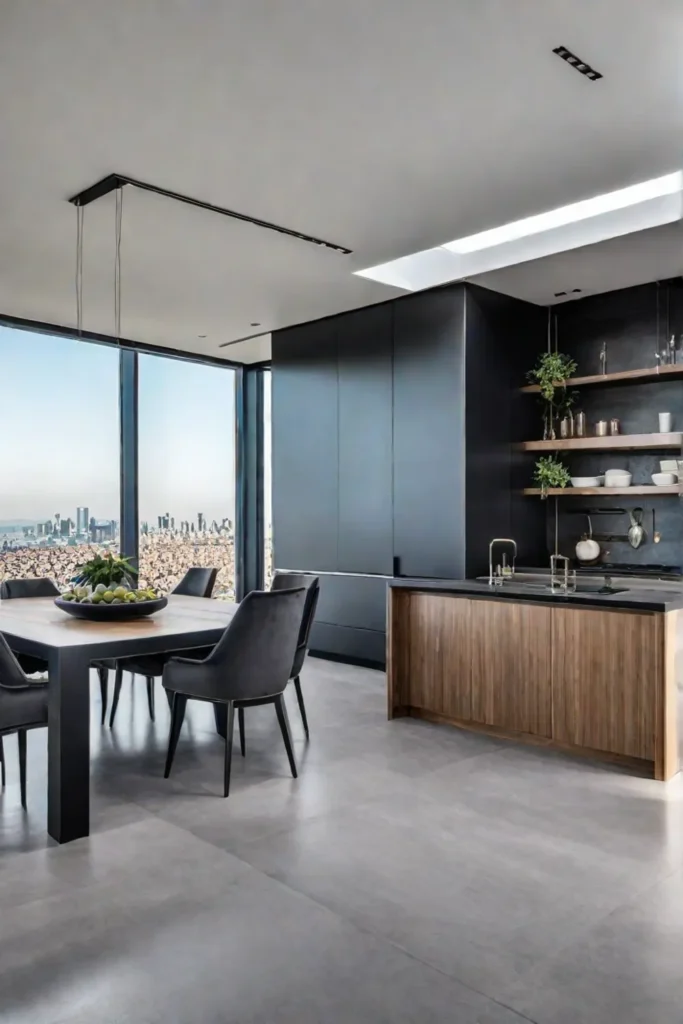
{"type": "Point", "coordinates": [618, 442]}
{"type": "Point", "coordinates": [571, 492]}
{"type": "Point", "coordinates": [647, 375]}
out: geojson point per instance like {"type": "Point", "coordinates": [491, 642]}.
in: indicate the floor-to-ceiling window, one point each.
{"type": "Point", "coordinates": [267, 483]}
{"type": "Point", "coordinates": [59, 453]}
{"type": "Point", "coordinates": [186, 471]}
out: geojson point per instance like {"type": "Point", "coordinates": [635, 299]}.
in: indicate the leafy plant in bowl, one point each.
{"type": "Point", "coordinates": [106, 582]}
{"type": "Point", "coordinates": [107, 570]}
{"type": "Point", "coordinates": [550, 472]}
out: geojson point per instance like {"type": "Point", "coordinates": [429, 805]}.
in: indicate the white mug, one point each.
{"type": "Point", "coordinates": [665, 423]}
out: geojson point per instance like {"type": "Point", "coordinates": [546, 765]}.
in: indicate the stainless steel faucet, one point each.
{"type": "Point", "coordinates": [503, 571]}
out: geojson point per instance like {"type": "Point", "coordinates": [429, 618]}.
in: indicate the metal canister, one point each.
{"type": "Point", "coordinates": [566, 427]}
{"type": "Point", "coordinates": [614, 427]}
{"type": "Point", "coordinates": [601, 428]}
{"type": "Point", "coordinates": [580, 424]}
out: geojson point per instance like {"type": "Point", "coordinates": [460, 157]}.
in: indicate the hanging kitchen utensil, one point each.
{"type": "Point", "coordinates": [636, 532]}
{"type": "Point", "coordinates": [656, 535]}
{"type": "Point", "coordinates": [588, 549]}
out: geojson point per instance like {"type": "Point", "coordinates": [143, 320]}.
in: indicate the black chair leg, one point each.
{"type": "Point", "coordinates": [2, 764]}
{"type": "Point", "coordinates": [21, 738]}
{"type": "Point", "coordinates": [220, 715]}
{"type": "Point", "coordinates": [243, 738]}
{"type": "Point", "coordinates": [302, 706]}
{"type": "Point", "coordinates": [177, 716]}
{"type": "Point", "coordinates": [230, 728]}
{"type": "Point", "coordinates": [281, 711]}
{"type": "Point", "coordinates": [118, 681]}
{"type": "Point", "coordinates": [103, 673]}
{"type": "Point", "coordinates": [169, 698]}
{"type": "Point", "coordinates": [150, 696]}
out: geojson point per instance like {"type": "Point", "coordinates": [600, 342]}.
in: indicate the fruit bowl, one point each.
{"type": "Point", "coordinates": [104, 612]}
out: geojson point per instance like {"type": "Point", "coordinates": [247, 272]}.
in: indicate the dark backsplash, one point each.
{"type": "Point", "coordinates": [634, 323]}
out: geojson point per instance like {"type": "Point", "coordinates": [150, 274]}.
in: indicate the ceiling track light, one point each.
{"type": "Point", "coordinates": [579, 65]}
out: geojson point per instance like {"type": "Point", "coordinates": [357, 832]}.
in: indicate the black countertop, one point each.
{"type": "Point", "coordinates": [637, 595]}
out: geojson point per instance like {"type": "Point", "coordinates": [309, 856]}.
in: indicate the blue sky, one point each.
{"type": "Point", "coordinates": [59, 446]}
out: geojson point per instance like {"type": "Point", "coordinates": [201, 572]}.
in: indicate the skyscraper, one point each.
{"type": "Point", "coordinates": [82, 518]}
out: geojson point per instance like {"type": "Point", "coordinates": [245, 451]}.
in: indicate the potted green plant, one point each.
{"type": "Point", "coordinates": [550, 472]}
{"type": "Point", "coordinates": [109, 570]}
{"type": "Point", "coordinates": [551, 373]}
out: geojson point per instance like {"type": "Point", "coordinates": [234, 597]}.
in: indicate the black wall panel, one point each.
{"type": "Point", "coordinates": [365, 440]}
{"type": "Point", "coordinates": [429, 434]}
{"type": "Point", "coordinates": [305, 417]}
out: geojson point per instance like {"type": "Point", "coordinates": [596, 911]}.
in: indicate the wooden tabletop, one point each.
{"type": "Point", "coordinates": [38, 620]}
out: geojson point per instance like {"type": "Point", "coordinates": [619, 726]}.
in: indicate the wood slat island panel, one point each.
{"type": "Point", "coordinates": [510, 645]}
{"type": "Point", "coordinates": [606, 667]}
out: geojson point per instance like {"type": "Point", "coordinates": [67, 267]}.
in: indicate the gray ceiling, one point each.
{"type": "Point", "coordinates": [380, 126]}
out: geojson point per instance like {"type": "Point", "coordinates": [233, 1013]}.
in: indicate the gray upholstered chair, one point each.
{"type": "Point", "coordinates": [250, 665]}
{"type": "Point", "coordinates": [197, 582]}
{"type": "Point", "coordinates": [23, 706]}
{"type": "Point", "coordinates": [283, 581]}
{"type": "Point", "coordinates": [41, 587]}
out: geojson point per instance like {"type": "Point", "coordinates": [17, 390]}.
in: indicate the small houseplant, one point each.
{"type": "Point", "coordinates": [550, 472]}
{"type": "Point", "coordinates": [551, 373]}
{"type": "Point", "coordinates": [107, 569]}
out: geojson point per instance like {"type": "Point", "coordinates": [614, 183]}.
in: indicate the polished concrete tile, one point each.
{"type": "Point", "coordinates": [412, 873]}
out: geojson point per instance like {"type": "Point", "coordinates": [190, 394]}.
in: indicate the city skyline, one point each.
{"type": "Point", "coordinates": [61, 448]}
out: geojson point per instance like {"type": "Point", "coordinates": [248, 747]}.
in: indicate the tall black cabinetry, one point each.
{"type": "Point", "coordinates": [391, 448]}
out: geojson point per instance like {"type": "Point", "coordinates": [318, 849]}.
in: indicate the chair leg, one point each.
{"type": "Point", "coordinates": [243, 738]}
{"type": "Point", "coordinates": [302, 706]}
{"type": "Point", "coordinates": [2, 764]}
{"type": "Point", "coordinates": [21, 738]}
{"type": "Point", "coordinates": [230, 720]}
{"type": "Point", "coordinates": [177, 716]}
{"type": "Point", "coordinates": [150, 696]}
{"type": "Point", "coordinates": [103, 673]}
{"type": "Point", "coordinates": [281, 712]}
{"type": "Point", "coordinates": [169, 698]}
{"type": "Point", "coordinates": [118, 681]}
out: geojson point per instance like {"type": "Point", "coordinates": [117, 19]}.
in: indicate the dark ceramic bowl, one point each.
{"type": "Point", "coordinates": [103, 612]}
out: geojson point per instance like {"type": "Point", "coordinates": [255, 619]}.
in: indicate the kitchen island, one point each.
{"type": "Point", "coordinates": [590, 673]}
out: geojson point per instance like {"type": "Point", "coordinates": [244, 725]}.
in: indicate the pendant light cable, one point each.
{"type": "Point", "coordinates": [80, 216]}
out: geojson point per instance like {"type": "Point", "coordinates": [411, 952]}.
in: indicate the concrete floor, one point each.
{"type": "Point", "coordinates": [413, 873]}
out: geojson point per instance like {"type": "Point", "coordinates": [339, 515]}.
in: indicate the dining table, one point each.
{"type": "Point", "coordinates": [70, 645]}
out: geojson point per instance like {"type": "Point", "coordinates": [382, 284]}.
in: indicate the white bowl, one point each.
{"type": "Point", "coordinates": [618, 478]}
{"type": "Point", "coordinates": [669, 466]}
{"type": "Point", "coordinates": [585, 481]}
{"type": "Point", "coordinates": [663, 479]}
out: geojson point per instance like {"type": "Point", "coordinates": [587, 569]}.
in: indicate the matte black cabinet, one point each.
{"type": "Point", "coordinates": [305, 415]}
{"type": "Point", "coordinates": [429, 434]}
{"type": "Point", "coordinates": [365, 441]}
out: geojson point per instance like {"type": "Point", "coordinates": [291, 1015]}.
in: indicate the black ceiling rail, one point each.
{"type": "Point", "coordinates": [114, 181]}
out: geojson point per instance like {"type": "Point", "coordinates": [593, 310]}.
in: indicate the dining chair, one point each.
{"type": "Point", "coordinates": [281, 581]}
{"type": "Point", "coordinates": [197, 582]}
{"type": "Point", "coordinates": [23, 706]}
{"type": "Point", "coordinates": [249, 666]}
{"type": "Point", "coordinates": [41, 587]}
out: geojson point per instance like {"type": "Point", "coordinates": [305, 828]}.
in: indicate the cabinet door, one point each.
{"type": "Point", "coordinates": [429, 434]}
{"type": "Point", "coordinates": [606, 667]}
{"type": "Point", "coordinates": [438, 676]}
{"type": "Point", "coordinates": [365, 441]}
{"type": "Point", "coordinates": [305, 447]}
{"type": "Point", "coordinates": [511, 665]}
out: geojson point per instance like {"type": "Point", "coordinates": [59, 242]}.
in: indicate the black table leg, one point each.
{"type": "Point", "coordinates": [220, 713]}
{"type": "Point", "coordinates": [68, 745]}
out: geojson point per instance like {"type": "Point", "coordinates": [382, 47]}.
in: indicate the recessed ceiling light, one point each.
{"type": "Point", "coordinates": [578, 64]}
{"type": "Point", "coordinates": [255, 324]}
{"type": "Point", "coordinates": [586, 208]}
